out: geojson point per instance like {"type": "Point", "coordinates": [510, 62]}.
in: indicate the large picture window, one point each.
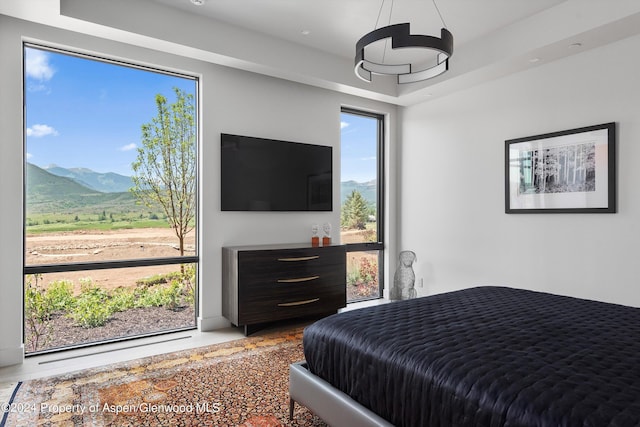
{"type": "Point", "coordinates": [362, 198]}
{"type": "Point", "coordinates": [110, 200]}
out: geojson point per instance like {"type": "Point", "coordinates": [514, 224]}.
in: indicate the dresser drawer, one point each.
{"type": "Point", "coordinates": [299, 277]}
{"type": "Point", "coordinates": [279, 292]}
{"type": "Point", "coordinates": [272, 265]}
{"type": "Point", "coordinates": [287, 301]}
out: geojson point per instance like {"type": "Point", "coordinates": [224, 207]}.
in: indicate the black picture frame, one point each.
{"type": "Point", "coordinates": [571, 171]}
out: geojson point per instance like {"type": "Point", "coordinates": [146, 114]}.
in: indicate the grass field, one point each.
{"type": "Point", "coordinates": [58, 223]}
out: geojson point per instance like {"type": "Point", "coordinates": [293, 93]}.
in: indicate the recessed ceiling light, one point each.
{"type": "Point", "coordinates": [575, 45]}
{"type": "Point", "coordinates": [197, 2]}
{"type": "Point", "coordinates": [534, 60]}
{"type": "Point", "coordinates": [305, 32]}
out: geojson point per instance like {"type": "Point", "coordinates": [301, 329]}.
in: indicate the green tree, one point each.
{"type": "Point", "coordinates": [354, 212]}
{"type": "Point", "coordinates": [165, 169]}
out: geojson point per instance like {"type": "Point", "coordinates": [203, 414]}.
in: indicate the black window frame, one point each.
{"type": "Point", "coordinates": [380, 199]}
{"type": "Point", "coordinates": [114, 264]}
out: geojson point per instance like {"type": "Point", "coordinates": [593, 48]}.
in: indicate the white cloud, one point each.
{"type": "Point", "coordinates": [37, 65]}
{"type": "Point", "coordinates": [343, 125]}
{"type": "Point", "coordinates": [29, 155]}
{"type": "Point", "coordinates": [37, 88]}
{"type": "Point", "coordinates": [38, 131]}
{"type": "Point", "coordinates": [129, 147]}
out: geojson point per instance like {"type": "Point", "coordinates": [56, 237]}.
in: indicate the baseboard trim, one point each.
{"type": "Point", "coordinates": [206, 324]}
{"type": "Point", "coordinates": [11, 356]}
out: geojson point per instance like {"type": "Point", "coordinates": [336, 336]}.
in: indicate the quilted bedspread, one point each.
{"type": "Point", "coordinates": [486, 356]}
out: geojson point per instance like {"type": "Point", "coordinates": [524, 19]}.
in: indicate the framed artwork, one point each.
{"type": "Point", "coordinates": [571, 171]}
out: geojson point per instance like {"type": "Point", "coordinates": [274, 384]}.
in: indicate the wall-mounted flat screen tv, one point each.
{"type": "Point", "coordinates": [261, 174]}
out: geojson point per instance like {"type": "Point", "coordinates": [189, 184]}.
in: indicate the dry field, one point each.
{"type": "Point", "coordinates": [96, 246]}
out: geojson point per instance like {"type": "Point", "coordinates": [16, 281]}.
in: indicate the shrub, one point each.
{"type": "Point", "coordinates": [189, 280]}
{"type": "Point", "coordinates": [90, 312]}
{"type": "Point", "coordinates": [370, 235]}
{"type": "Point", "coordinates": [36, 304]}
{"type": "Point", "coordinates": [37, 312]}
{"type": "Point", "coordinates": [362, 277]}
{"type": "Point", "coordinates": [91, 308]}
{"type": "Point", "coordinates": [169, 296]}
{"type": "Point", "coordinates": [150, 297]}
{"type": "Point", "coordinates": [158, 279]}
{"type": "Point", "coordinates": [353, 278]}
{"type": "Point", "coordinates": [59, 295]}
{"type": "Point", "coordinates": [362, 270]}
{"type": "Point", "coordinates": [173, 294]}
{"type": "Point", "coordinates": [122, 299]}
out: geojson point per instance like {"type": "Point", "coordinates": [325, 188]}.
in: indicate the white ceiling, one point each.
{"type": "Point", "coordinates": [492, 38]}
{"type": "Point", "coordinates": [336, 25]}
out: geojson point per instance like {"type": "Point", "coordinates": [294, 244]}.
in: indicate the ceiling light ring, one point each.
{"type": "Point", "coordinates": [401, 37]}
{"type": "Point", "coordinates": [389, 69]}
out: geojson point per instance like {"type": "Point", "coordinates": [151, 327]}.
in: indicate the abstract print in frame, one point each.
{"type": "Point", "coordinates": [571, 171]}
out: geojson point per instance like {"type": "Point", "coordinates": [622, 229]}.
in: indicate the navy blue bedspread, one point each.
{"type": "Point", "coordinates": [486, 356]}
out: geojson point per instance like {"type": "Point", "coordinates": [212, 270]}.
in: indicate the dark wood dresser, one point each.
{"type": "Point", "coordinates": [266, 283]}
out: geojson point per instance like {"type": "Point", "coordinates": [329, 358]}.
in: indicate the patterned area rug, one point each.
{"type": "Point", "coordinates": [239, 383]}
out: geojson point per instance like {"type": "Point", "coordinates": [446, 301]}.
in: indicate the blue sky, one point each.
{"type": "Point", "coordinates": [358, 148]}
{"type": "Point", "coordinates": [85, 113]}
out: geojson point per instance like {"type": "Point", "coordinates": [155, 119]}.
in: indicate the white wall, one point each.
{"type": "Point", "coordinates": [231, 101]}
{"type": "Point", "coordinates": [452, 182]}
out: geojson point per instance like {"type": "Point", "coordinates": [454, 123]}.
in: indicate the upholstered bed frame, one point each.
{"type": "Point", "coordinates": [333, 406]}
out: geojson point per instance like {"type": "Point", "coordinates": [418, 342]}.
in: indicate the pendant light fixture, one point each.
{"type": "Point", "coordinates": [401, 37]}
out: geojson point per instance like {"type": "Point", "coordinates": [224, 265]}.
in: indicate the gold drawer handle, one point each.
{"type": "Point", "coordinates": [302, 258]}
{"type": "Point", "coordinates": [291, 304]}
{"type": "Point", "coordinates": [298, 280]}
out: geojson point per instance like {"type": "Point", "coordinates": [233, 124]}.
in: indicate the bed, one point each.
{"type": "Point", "coordinates": [485, 356]}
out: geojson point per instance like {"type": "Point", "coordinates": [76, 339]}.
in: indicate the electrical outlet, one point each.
{"type": "Point", "coordinates": [421, 282]}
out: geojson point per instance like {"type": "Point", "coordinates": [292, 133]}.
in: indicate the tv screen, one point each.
{"type": "Point", "coordinates": [261, 174]}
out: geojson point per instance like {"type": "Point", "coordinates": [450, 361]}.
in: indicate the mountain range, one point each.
{"type": "Point", "coordinates": [108, 182]}
{"type": "Point", "coordinates": [53, 189]}
{"type": "Point", "coordinates": [50, 193]}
